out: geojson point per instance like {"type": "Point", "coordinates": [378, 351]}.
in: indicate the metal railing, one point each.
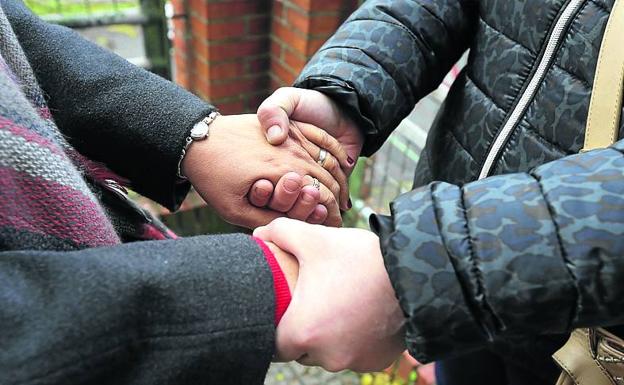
{"type": "Point", "coordinates": [149, 15]}
{"type": "Point", "coordinates": [390, 172]}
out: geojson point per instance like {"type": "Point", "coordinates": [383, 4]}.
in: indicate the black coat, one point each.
{"type": "Point", "coordinates": [191, 311]}
{"type": "Point", "coordinates": [513, 262]}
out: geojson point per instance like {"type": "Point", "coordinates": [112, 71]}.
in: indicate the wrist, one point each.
{"type": "Point", "coordinates": [285, 271]}
{"type": "Point", "coordinates": [198, 137]}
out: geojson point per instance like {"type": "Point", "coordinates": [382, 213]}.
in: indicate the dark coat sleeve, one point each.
{"type": "Point", "coordinates": [110, 110]}
{"type": "Point", "coordinates": [517, 255]}
{"type": "Point", "coordinates": [191, 311]}
{"type": "Point", "coordinates": [387, 56]}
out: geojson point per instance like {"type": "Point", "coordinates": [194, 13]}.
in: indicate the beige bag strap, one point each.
{"type": "Point", "coordinates": [606, 101]}
{"type": "Point", "coordinates": [578, 363]}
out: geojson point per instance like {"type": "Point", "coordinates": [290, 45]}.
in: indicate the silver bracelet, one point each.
{"type": "Point", "coordinates": [200, 131]}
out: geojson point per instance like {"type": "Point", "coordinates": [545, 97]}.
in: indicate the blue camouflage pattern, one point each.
{"type": "Point", "coordinates": [519, 254]}
{"type": "Point", "coordinates": [513, 262]}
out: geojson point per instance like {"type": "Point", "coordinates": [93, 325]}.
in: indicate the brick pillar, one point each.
{"type": "Point", "coordinates": [181, 59]}
{"type": "Point", "coordinates": [227, 52]}
{"type": "Point", "coordinates": [234, 52]}
{"type": "Point", "coordinates": [299, 28]}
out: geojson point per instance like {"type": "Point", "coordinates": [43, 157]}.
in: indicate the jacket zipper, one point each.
{"type": "Point", "coordinates": [529, 93]}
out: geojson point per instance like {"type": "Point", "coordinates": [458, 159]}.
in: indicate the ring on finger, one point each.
{"type": "Point", "coordinates": [322, 157]}
{"type": "Point", "coordinates": [316, 184]}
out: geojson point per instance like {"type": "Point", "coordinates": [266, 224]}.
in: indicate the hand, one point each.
{"type": "Point", "coordinates": [306, 136]}
{"type": "Point", "coordinates": [316, 109]}
{"type": "Point", "coordinates": [294, 196]}
{"type": "Point", "coordinates": [344, 313]}
{"type": "Point", "coordinates": [287, 263]}
{"type": "Point", "coordinates": [223, 168]}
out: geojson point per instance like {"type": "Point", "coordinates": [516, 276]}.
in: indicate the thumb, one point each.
{"type": "Point", "coordinates": [274, 115]}
{"type": "Point", "coordinates": [288, 234]}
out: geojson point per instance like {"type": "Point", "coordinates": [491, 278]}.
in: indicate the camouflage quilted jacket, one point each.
{"type": "Point", "coordinates": [530, 251]}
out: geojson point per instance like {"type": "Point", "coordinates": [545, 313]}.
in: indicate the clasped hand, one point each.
{"type": "Point", "coordinates": [235, 171]}
{"type": "Point", "coordinates": [344, 313]}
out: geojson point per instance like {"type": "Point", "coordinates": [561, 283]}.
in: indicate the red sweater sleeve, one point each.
{"type": "Point", "coordinates": [280, 285]}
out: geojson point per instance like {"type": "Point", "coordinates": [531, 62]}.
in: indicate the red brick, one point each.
{"type": "Point", "coordinates": [331, 5]}
{"type": "Point", "coordinates": [230, 50]}
{"type": "Point", "coordinates": [276, 83]}
{"type": "Point", "coordinates": [286, 75]}
{"type": "Point", "coordinates": [325, 5]}
{"type": "Point", "coordinates": [303, 4]}
{"type": "Point", "coordinates": [198, 7]}
{"type": "Point", "coordinates": [239, 49]}
{"type": "Point", "coordinates": [179, 44]}
{"type": "Point", "coordinates": [212, 30]}
{"type": "Point", "coordinates": [258, 25]}
{"type": "Point", "coordinates": [278, 10]}
{"type": "Point", "coordinates": [226, 70]}
{"type": "Point", "coordinates": [237, 8]}
{"type": "Point", "coordinates": [199, 29]}
{"type": "Point", "coordinates": [314, 45]}
{"type": "Point", "coordinates": [200, 49]}
{"type": "Point", "coordinates": [276, 48]}
{"type": "Point", "coordinates": [294, 60]}
{"type": "Point", "coordinates": [324, 24]}
{"type": "Point", "coordinates": [181, 63]}
{"type": "Point", "coordinates": [231, 107]}
{"type": "Point", "coordinates": [178, 7]}
{"type": "Point", "coordinates": [181, 78]}
{"type": "Point", "coordinates": [298, 20]}
{"type": "Point", "coordinates": [290, 37]}
{"type": "Point", "coordinates": [254, 101]}
{"type": "Point", "coordinates": [236, 87]}
{"type": "Point", "coordinates": [258, 65]}
{"type": "Point", "coordinates": [179, 28]}
{"type": "Point", "coordinates": [200, 86]}
{"type": "Point", "coordinates": [221, 31]}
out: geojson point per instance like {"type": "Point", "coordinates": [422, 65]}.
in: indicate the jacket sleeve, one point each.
{"type": "Point", "coordinates": [387, 56]}
{"type": "Point", "coordinates": [190, 311]}
{"type": "Point", "coordinates": [517, 255]}
{"type": "Point", "coordinates": [110, 110]}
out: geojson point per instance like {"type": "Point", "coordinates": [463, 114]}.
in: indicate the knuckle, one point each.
{"type": "Point", "coordinates": [307, 338]}
{"type": "Point", "coordinates": [333, 144]}
{"type": "Point", "coordinates": [334, 167]}
{"type": "Point", "coordinates": [228, 213]}
{"type": "Point", "coordinates": [300, 153]}
{"type": "Point", "coordinates": [278, 223]}
{"type": "Point", "coordinates": [325, 139]}
{"type": "Point", "coordinates": [327, 199]}
{"type": "Point", "coordinates": [281, 90]}
{"type": "Point", "coordinates": [334, 221]}
{"type": "Point", "coordinates": [337, 364]}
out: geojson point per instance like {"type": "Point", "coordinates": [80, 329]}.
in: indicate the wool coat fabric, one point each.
{"type": "Point", "coordinates": [79, 304]}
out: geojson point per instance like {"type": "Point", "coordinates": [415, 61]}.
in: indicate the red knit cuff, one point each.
{"type": "Point", "coordinates": [280, 285]}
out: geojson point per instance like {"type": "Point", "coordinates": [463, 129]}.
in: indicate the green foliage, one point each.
{"type": "Point", "coordinates": [79, 7]}
{"type": "Point", "coordinates": [352, 218]}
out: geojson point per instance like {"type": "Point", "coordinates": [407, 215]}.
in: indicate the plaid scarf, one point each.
{"type": "Point", "coordinates": [42, 187]}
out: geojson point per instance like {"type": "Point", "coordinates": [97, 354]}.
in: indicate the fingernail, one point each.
{"type": "Point", "coordinates": [262, 193]}
{"type": "Point", "coordinates": [291, 185]}
{"type": "Point", "coordinates": [349, 204]}
{"type": "Point", "coordinates": [350, 161]}
{"type": "Point", "coordinates": [274, 132]}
